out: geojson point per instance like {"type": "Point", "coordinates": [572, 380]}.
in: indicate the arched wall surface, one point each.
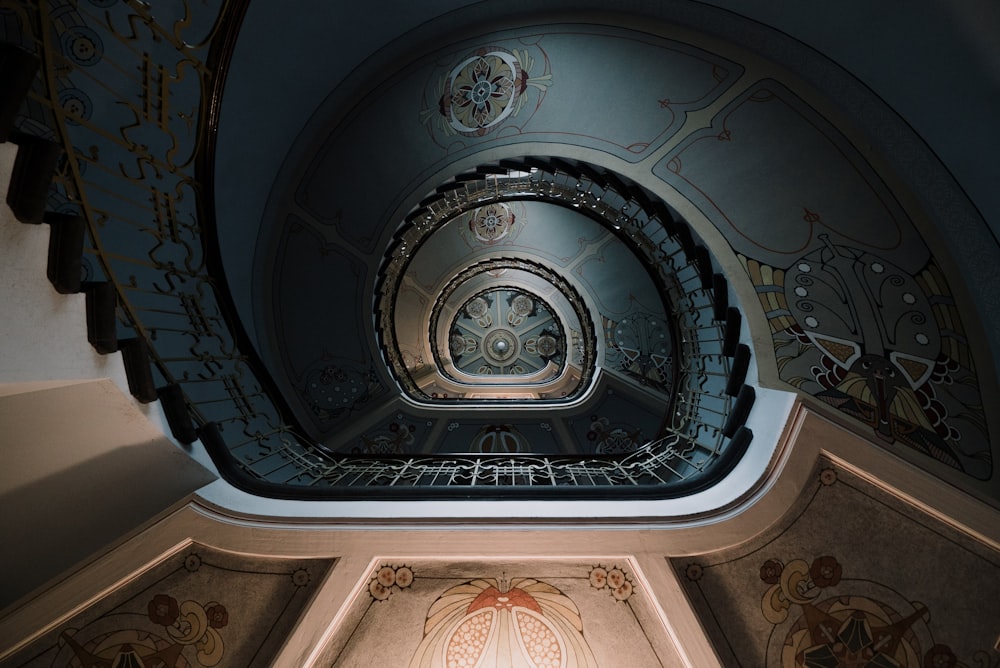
{"type": "Point", "coordinates": [927, 65]}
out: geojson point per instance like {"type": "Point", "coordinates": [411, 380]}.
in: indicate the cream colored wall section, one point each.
{"type": "Point", "coordinates": [43, 334]}
{"type": "Point", "coordinates": [70, 484]}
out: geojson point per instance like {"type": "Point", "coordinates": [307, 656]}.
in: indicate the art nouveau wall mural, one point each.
{"type": "Point", "coordinates": [860, 312]}
{"type": "Point", "coordinates": [851, 576]}
{"type": "Point", "coordinates": [198, 608]}
{"type": "Point", "coordinates": [571, 615]}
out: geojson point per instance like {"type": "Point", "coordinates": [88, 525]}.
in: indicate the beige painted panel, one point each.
{"type": "Point", "coordinates": [851, 571]}
{"type": "Point", "coordinates": [72, 485]}
{"type": "Point", "coordinates": [198, 604]}
{"type": "Point", "coordinates": [586, 613]}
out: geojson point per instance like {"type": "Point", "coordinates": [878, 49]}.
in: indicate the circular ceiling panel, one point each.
{"type": "Point", "coordinates": [507, 332]}
{"type": "Point", "coordinates": [507, 329]}
{"type": "Point", "coordinates": [513, 332]}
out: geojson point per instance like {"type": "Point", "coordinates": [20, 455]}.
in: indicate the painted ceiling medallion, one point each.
{"type": "Point", "coordinates": [500, 346]}
{"type": "Point", "coordinates": [492, 223]}
{"type": "Point", "coordinates": [487, 340]}
{"type": "Point", "coordinates": [483, 90]}
{"type": "Point", "coordinates": [506, 332]}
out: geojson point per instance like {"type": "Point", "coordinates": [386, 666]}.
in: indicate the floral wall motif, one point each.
{"type": "Point", "coordinates": [895, 358]}
{"type": "Point", "coordinates": [335, 387]}
{"type": "Point", "coordinates": [400, 434]}
{"type": "Point", "coordinates": [199, 608]}
{"type": "Point", "coordinates": [621, 422]}
{"type": "Point", "coordinates": [854, 577]}
{"type": "Point", "coordinates": [453, 614]}
{"type": "Point", "coordinates": [487, 87]}
{"type": "Point", "coordinates": [390, 578]}
{"type": "Point", "coordinates": [494, 223]}
{"type": "Point", "coordinates": [840, 630]}
{"type": "Point", "coordinates": [616, 580]}
{"type": "Point", "coordinates": [861, 314]}
{"type": "Point", "coordinates": [641, 346]}
{"type": "Point", "coordinates": [500, 622]}
{"type": "Point", "coordinates": [614, 439]}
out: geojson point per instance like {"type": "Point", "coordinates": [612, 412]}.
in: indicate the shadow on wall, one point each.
{"type": "Point", "coordinates": [74, 485]}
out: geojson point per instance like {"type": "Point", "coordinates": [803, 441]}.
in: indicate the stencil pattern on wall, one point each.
{"type": "Point", "coordinates": [199, 608]}
{"type": "Point", "coordinates": [641, 346]}
{"type": "Point", "coordinates": [484, 621]}
{"type": "Point", "coordinates": [485, 88]}
{"type": "Point", "coordinates": [570, 615]}
{"type": "Point", "coordinates": [389, 578]}
{"type": "Point", "coordinates": [335, 387]}
{"type": "Point", "coordinates": [860, 311]}
{"type": "Point", "coordinates": [614, 439]}
{"type": "Point", "coordinates": [885, 347]}
{"type": "Point", "coordinates": [813, 629]}
{"type": "Point", "coordinates": [853, 578]}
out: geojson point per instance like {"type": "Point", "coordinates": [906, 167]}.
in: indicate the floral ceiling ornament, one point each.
{"type": "Point", "coordinates": [185, 625]}
{"type": "Point", "coordinates": [614, 579]}
{"type": "Point", "coordinates": [337, 387]}
{"type": "Point", "coordinates": [837, 627]}
{"type": "Point", "coordinates": [389, 578]}
{"type": "Point", "coordinates": [500, 622]}
{"type": "Point", "coordinates": [492, 223]}
{"type": "Point", "coordinates": [394, 439]}
{"type": "Point", "coordinates": [483, 90]}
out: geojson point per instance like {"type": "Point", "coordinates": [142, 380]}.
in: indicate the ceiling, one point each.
{"type": "Point", "coordinates": [660, 182]}
{"type": "Point", "coordinates": [388, 103]}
